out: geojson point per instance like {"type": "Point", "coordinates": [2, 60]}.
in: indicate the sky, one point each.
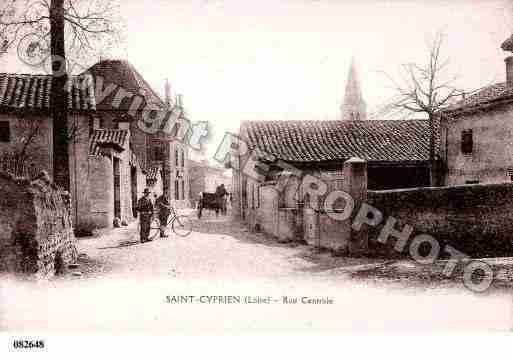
{"type": "Point", "coordinates": [288, 60]}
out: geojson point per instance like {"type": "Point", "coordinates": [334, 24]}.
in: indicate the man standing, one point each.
{"type": "Point", "coordinates": [145, 209]}
{"type": "Point", "coordinates": [164, 208]}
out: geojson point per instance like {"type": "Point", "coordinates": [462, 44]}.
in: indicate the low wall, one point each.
{"type": "Point", "coordinates": [36, 233]}
{"type": "Point", "coordinates": [286, 211]}
{"type": "Point", "coordinates": [268, 211]}
{"type": "Point", "coordinates": [334, 234]}
{"type": "Point", "coordinates": [474, 219]}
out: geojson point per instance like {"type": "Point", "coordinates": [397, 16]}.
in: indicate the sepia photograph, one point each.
{"type": "Point", "coordinates": [218, 166]}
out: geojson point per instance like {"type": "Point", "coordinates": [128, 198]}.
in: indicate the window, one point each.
{"type": "Point", "coordinates": [176, 128]}
{"type": "Point", "coordinates": [183, 189]}
{"type": "Point", "coordinates": [258, 196]}
{"type": "Point", "coordinates": [177, 194]}
{"type": "Point", "coordinates": [5, 131]}
{"type": "Point", "coordinates": [176, 157]}
{"type": "Point", "coordinates": [91, 126]}
{"type": "Point", "coordinates": [158, 152]}
{"type": "Point", "coordinates": [252, 196]}
{"type": "Point", "coordinates": [183, 158]}
{"type": "Point", "coordinates": [510, 174]}
{"type": "Point", "coordinates": [472, 181]}
{"type": "Point", "coordinates": [467, 142]}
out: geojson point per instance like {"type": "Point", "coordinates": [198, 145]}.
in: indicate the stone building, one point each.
{"type": "Point", "coordinates": [206, 178]}
{"type": "Point", "coordinates": [109, 162]}
{"type": "Point", "coordinates": [168, 151]}
{"type": "Point", "coordinates": [397, 152]}
{"type": "Point", "coordinates": [477, 133]}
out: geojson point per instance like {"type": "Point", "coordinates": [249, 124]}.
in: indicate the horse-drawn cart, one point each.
{"type": "Point", "coordinates": [209, 201]}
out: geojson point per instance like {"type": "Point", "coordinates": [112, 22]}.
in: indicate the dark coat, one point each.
{"type": "Point", "coordinates": [163, 206]}
{"type": "Point", "coordinates": [144, 205]}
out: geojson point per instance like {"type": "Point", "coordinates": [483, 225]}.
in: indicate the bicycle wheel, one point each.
{"type": "Point", "coordinates": [182, 226]}
{"type": "Point", "coordinates": [154, 228]}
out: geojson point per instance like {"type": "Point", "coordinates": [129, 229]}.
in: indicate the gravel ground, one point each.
{"type": "Point", "coordinates": [222, 248]}
{"type": "Point", "coordinates": [217, 247]}
{"type": "Point", "coordinates": [124, 285]}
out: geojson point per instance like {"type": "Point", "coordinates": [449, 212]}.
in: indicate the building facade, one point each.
{"type": "Point", "coordinates": [109, 165]}
{"type": "Point", "coordinates": [205, 178]}
{"type": "Point", "coordinates": [396, 152]}
{"type": "Point", "coordinates": [168, 151]}
{"type": "Point", "coordinates": [477, 133]}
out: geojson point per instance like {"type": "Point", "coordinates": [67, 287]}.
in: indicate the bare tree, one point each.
{"type": "Point", "coordinates": [426, 89]}
{"type": "Point", "coordinates": [74, 26]}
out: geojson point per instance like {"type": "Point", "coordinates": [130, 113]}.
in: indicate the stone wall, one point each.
{"type": "Point", "coordinates": [285, 212]}
{"type": "Point", "coordinates": [36, 233]}
{"type": "Point", "coordinates": [267, 213]}
{"type": "Point", "coordinates": [474, 219]}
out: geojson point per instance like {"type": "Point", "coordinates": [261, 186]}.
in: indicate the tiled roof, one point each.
{"type": "Point", "coordinates": [507, 45]}
{"type": "Point", "coordinates": [32, 92]}
{"type": "Point", "coordinates": [485, 95]}
{"type": "Point", "coordinates": [318, 141]}
{"type": "Point", "coordinates": [102, 137]}
{"type": "Point", "coordinates": [119, 74]}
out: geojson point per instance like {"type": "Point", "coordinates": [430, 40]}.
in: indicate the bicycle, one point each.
{"type": "Point", "coordinates": [180, 224]}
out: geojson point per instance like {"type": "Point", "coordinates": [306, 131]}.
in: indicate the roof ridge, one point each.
{"type": "Point", "coordinates": [332, 121]}
{"type": "Point", "coordinates": [16, 74]}
{"type": "Point", "coordinates": [138, 78]}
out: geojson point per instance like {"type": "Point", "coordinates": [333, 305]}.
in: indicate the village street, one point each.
{"type": "Point", "coordinates": [131, 284]}
{"type": "Point", "coordinates": [217, 248]}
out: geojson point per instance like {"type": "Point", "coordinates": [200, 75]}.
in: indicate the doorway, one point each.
{"type": "Point", "coordinates": [133, 189]}
{"type": "Point", "coordinates": [117, 188]}
{"type": "Point", "coordinates": [244, 198]}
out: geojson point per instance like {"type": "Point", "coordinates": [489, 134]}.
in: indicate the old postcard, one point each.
{"type": "Point", "coordinates": [302, 166]}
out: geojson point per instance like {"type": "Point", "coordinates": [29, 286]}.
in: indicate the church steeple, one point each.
{"type": "Point", "coordinates": [354, 107]}
{"type": "Point", "coordinates": [168, 94]}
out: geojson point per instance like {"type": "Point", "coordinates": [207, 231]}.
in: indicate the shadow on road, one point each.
{"type": "Point", "coordinates": [123, 244]}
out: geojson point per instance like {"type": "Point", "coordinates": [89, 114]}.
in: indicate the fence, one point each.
{"type": "Point", "coordinates": [13, 164]}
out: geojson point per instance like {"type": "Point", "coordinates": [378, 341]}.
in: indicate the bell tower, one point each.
{"type": "Point", "coordinates": [354, 107]}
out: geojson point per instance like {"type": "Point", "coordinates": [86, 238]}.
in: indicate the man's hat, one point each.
{"type": "Point", "coordinates": [146, 190]}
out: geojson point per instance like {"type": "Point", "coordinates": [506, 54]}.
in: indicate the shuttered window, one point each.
{"type": "Point", "coordinates": [467, 142]}
{"type": "Point", "coordinates": [5, 131]}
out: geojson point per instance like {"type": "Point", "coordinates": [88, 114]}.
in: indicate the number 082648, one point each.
{"type": "Point", "coordinates": [28, 344]}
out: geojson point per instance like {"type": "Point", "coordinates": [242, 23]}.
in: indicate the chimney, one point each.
{"type": "Point", "coordinates": [509, 70]}
{"type": "Point", "coordinates": [179, 101]}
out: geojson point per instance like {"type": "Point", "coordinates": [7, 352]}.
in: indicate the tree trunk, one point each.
{"type": "Point", "coordinates": [59, 96]}
{"type": "Point", "coordinates": [432, 158]}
